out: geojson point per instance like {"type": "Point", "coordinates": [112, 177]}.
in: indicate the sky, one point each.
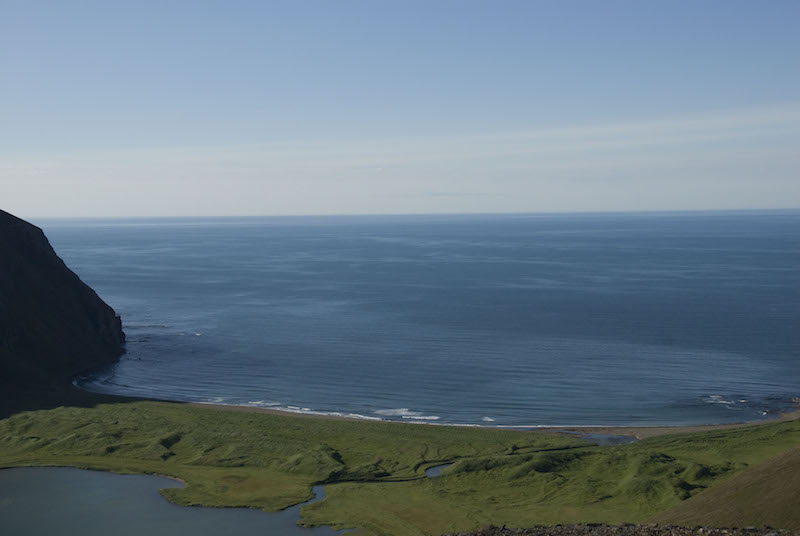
{"type": "Point", "coordinates": [194, 108]}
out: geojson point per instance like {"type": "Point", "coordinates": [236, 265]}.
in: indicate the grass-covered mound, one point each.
{"type": "Point", "coordinates": [234, 458]}
{"type": "Point", "coordinates": [630, 483]}
{"type": "Point", "coordinates": [597, 529]}
{"type": "Point", "coordinates": [766, 494]}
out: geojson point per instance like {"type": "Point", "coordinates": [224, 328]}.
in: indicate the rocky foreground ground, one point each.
{"type": "Point", "coordinates": [593, 529]}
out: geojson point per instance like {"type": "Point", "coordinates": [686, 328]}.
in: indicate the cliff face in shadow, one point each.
{"type": "Point", "coordinates": [52, 325]}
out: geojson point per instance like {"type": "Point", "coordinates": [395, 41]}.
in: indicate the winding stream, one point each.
{"type": "Point", "coordinates": [58, 500]}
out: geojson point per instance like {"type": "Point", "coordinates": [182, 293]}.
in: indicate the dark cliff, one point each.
{"type": "Point", "coordinates": [52, 325]}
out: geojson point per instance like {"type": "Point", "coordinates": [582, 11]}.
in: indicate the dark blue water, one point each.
{"type": "Point", "coordinates": [493, 320]}
{"type": "Point", "coordinates": [57, 500]}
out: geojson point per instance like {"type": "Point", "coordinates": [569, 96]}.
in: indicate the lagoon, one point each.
{"type": "Point", "coordinates": [42, 501]}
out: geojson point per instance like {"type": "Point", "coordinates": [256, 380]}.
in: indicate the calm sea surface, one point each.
{"type": "Point", "coordinates": [488, 320]}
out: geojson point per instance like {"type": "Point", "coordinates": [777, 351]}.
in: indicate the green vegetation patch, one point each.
{"type": "Point", "coordinates": [629, 483]}
{"type": "Point", "coordinates": [764, 494]}
{"type": "Point", "coordinates": [243, 458]}
{"type": "Point", "coordinates": [375, 470]}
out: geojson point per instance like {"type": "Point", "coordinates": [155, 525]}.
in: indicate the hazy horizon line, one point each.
{"type": "Point", "coordinates": [413, 214]}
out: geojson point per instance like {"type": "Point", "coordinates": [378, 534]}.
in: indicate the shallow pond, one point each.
{"type": "Point", "coordinates": [436, 470]}
{"type": "Point", "coordinates": [55, 500]}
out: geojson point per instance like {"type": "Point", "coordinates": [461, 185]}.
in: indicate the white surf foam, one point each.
{"type": "Point", "coordinates": [718, 399]}
{"type": "Point", "coordinates": [405, 413]}
{"type": "Point", "coordinates": [397, 412]}
{"type": "Point", "coordinates": [263, 404]}
{"type": "Point", "coordinates": [309, 411]}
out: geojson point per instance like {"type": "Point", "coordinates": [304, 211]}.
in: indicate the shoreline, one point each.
{"type": "Point", "coordinates": [637, 432]}
{"type": "Point", "coordinates": [72, 395]}
{"type": "Point", "coordinates": [265, 450]}
{"type": "Point", "coordinates": [643, 432]}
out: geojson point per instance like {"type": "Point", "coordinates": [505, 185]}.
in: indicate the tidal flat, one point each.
{"type": "Point", "coordinates": [375, 471]}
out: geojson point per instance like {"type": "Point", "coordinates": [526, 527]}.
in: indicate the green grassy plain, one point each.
{"type": "Point", "coordinates": [757, 496]}
{"type": "Point", "coordinates": [375, 470]}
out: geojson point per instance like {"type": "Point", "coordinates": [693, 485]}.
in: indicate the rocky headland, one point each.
{"type": "Point", "coordinates": [52, 325]}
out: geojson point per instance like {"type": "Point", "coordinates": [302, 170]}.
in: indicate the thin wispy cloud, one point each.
{"type": "Point", "coordinates": [374, 108]}
{"type": "Point", "coordinates": [667, 162]}
{"type": "Point", "coordinates": [698, 131]}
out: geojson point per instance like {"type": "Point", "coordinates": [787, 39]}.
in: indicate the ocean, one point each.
{"type": "Point", "coordinates": [487, 320]}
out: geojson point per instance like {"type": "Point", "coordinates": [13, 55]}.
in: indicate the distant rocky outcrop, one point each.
{"type": "Point", "coordinates": [52, 325]}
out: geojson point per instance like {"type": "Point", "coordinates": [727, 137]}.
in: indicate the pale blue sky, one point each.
{"type": "Point", "coordinates": [323, 107]}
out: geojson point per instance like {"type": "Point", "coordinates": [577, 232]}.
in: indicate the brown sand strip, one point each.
{"type": "Point", "coordinates": [639, 432]}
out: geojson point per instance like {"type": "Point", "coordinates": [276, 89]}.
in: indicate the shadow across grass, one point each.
{"type": "Point", "coordinates": [20, 397]}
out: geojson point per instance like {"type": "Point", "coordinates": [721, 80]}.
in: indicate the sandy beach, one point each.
{"type": "Point", "coordinates": [638, 432]}
{"type": "Point", "coordinates": [642, 432]}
